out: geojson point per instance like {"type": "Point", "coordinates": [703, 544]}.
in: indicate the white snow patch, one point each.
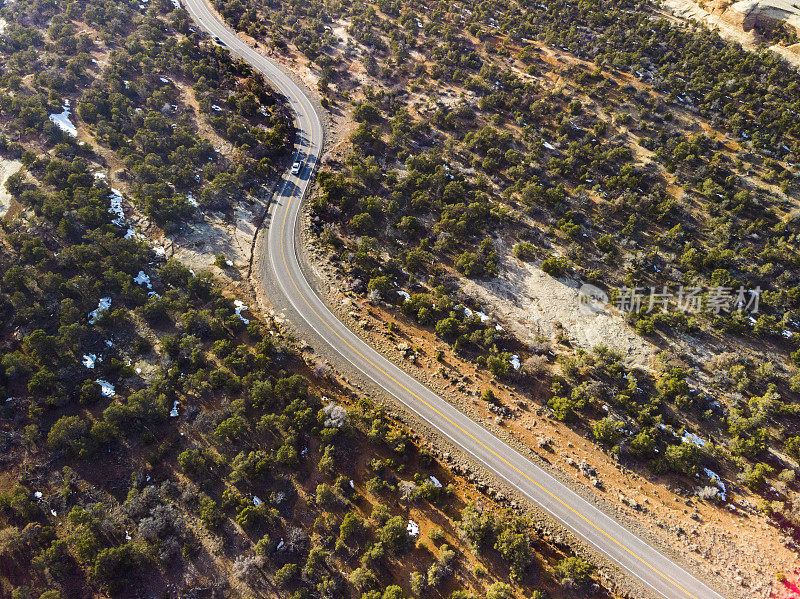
{"type": "Point", "coordinates": [715, 478]}
{"type": "Point", "coordinates": [435, 481]}
{"type": "Point", "coordinates": [192, 201]}
{"type": "Point", "coordinates": [515, 361]}
{"type": "Point", "coordinates": [103, 305]}
{"type": "Point", "coordinates": [280, 545]}
{"type": "Point", "coordinates": [238, 308]}
{"type": "Point", "coordinates": [173, 413]}
{"type": "Point", "coordinates": [38, 494]}
{"type": "Point", "coordinates": [693, 439]}
{"type": "Point", "coordinates": [482, 316]}
{"type": "Point", "coordinates": [116, 207]}
{"type": "Point", "coordinates": [404, 294]}
{"type": "Point", "coordinates": [143, 279]}
{"type": "Point", "coordinates": [412, 528]}
{"type": "Point", "coordinates": [106, 388]}
{"type": "Point", "coordinates": [89, 360]}
{"type": "Point", "coordinates": [548, 145]}
{"type": "Point", "coordinates": [61, 119]}
{"type": "Point", "coordinates": [256, 501]}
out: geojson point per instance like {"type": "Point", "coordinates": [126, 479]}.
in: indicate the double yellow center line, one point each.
{"type": "Point", "coordinates": [477, 441]}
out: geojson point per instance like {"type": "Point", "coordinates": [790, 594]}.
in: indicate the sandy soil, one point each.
{"type": "Point", "coordinates": [528, 302]}
{"type": "Point", "coordinates": [7, 168]}
{"type": "Point", "coordinates": [732, 20]}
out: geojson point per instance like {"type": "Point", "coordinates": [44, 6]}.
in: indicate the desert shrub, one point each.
{"type": "Point", "coordinates": [69, 433]}
{"type": "Point", "coordinates": [116, 566]}
{"type": "Point", "coordinates": [556, 266]}
{"type": "Point", "coordinates": [478, 526]}
{"type": "Point", "coordinates": [363, 579]}
{"type": "Point", "coordinates": [210, 514]}
{"type": "Point", "coordinates": [607, 431]}
{"type": "Point", "coordinates": [575, 569]}
{"type": "Point", "coordinates": [525, 251]}
{"type": "Point", "coordinates": [682, 458]}
{"type": "Point", "coordinates": [500, 590]}
{"type": "Point", "coordinates": [755, 477]}
{"type": "Point", "coordinates": [393, 535]}
{"type": "Point", "coordinates": [514, 545]}
{"type": "Point", "coordinates": [286, 575]}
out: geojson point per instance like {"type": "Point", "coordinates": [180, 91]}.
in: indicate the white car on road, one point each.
{"type": "Point", "coordinates": [296, 168]}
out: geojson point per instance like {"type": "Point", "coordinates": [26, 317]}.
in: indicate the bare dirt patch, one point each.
{"type": "Point", "coordinates": [7, 168]}
{"type": "Point", "coordinates": [528, 302]}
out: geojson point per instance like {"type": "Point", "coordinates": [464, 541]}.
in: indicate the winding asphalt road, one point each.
{"type": "Point", "coordinates": [289, 289]}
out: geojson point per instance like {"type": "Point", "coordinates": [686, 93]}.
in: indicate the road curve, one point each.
{"type": "Point", "coordinates": [304, 308]}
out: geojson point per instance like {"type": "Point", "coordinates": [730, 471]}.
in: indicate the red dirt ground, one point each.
{"type": "Point", "coordinates": [789, 588]}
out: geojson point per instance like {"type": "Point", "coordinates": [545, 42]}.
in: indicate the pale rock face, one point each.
{"type": "Point", "coordinates": [741, 21]}
{"type": "Point", "coordinates": [753, 11]}
{"type": "Point", "coordinates": [7, 168]}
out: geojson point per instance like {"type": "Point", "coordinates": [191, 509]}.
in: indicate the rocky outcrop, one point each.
{"type": "Point", "coordinates": [749, 22]}
{"type": "Point", "coordinates": [763, 15]}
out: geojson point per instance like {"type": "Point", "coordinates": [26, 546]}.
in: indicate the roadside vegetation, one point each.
{"type": "Point", "coordinates": [603, 144]}
{"type": "Point", "coordinates": [156, 436]}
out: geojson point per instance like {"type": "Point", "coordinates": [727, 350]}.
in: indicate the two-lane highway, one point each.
{"type": "Point", "coordinates": [284, 279]}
